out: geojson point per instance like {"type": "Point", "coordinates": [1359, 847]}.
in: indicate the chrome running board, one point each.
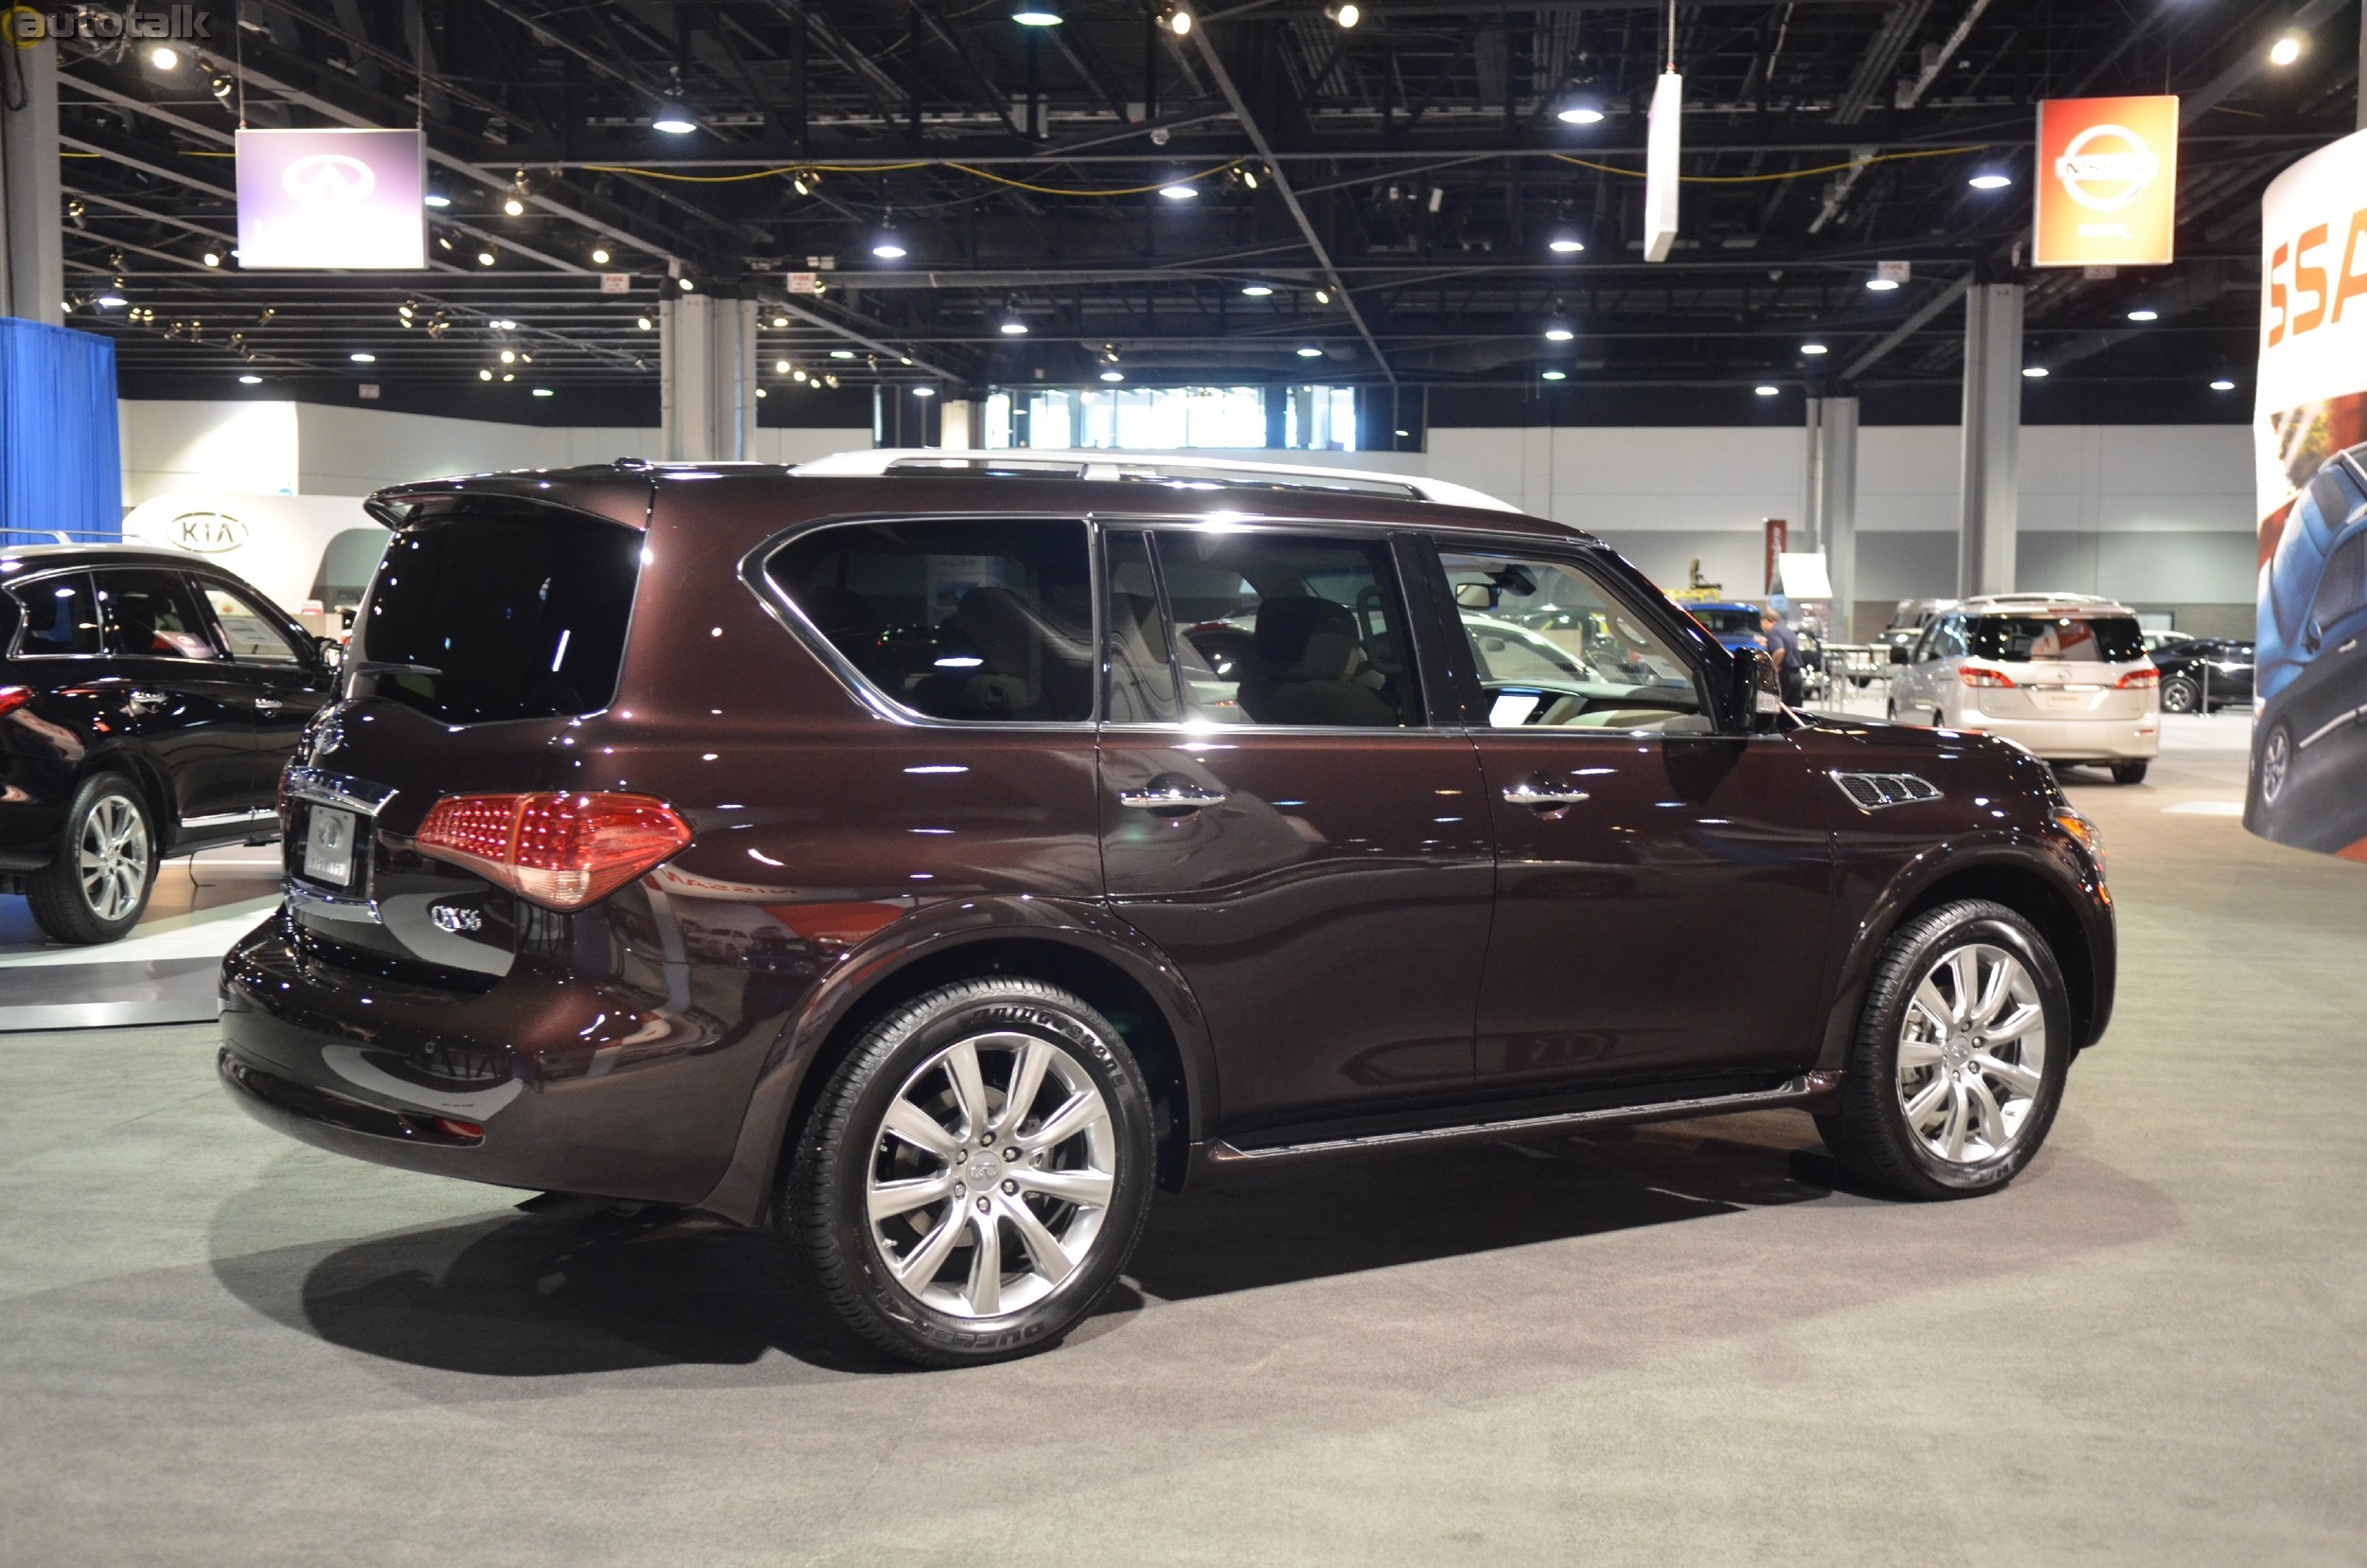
{"type": "Point", "coordinates": [1807, 1087]}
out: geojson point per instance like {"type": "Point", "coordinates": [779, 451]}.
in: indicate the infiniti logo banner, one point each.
{"type": "Point", "coordinates": [349, 200]}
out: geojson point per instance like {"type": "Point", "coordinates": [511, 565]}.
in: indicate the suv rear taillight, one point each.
{"type": "Point", "coordinates": [562, 851]}
{"type": "Point", "coordinates": [2139, 680]}
{"type": "Point", "coordinates": [1973, 675]}
{"type": "Point", "coordinates": [13, 698]}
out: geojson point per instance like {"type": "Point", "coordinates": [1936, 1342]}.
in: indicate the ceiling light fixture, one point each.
{"type": "Point", "coordinates": [2036, 372]}
{"type": "Point", "coordinates": [1764, 390]}
{"type": "Point", "coordinates": [436, 199]}
{"type": "Point", "coordinates": [1881, 285]}
{"type": "Point", "coordinates": [599, 256]}
{"type": "Point", "coordinates": [644, 323]}
{"type": "Point", "coordinates": [1556, 375]}
{"type": "Point", "coordinates": [485, 375]}
{"type": "Point", "coordinates": [1179, 191]}
{"type": "Point", "coordinates": [1322, 296]}
{"type": "Point", "coordinates": [250, 381]}
{"type": "Point", "coordinates": [673, 117]}
{"type": "Point", "coordinates": [1565, 242]}
{"type": "Point", "coordinates": [1558, 332]}
{"type": "Point", "coordinates": [362, 357]}
{"type": "Point", "coordinates": [1580, 109]}
{"type": "Point", "coordinates": [164, 58]}
{"type": "Point", "coordinates": [686, 285]}
{"type": "Point", "coordinates": [1013, 327]}
{"type": "Point", "coordinates": [1814, 349]}
{"type": "Point", "coordinates": [842, 353]}
{"type": "Point", "coordinates": [1346, 14]}
{"type": "Point", "coordinates": [1113, 375]}
{"type": "Point", "coordinates": [887, 244]}
{"type": "Point", "coordinates": [1180, 21]}
{"type": "Point", "coordinates": [2141, 313]}
{"type": "Point", "coordinates": [1036, 13]}
{"type": "Point", "coordinates": [2223, 385]}
{"type": "Point", "coordinates": [1311, 351]}
{"type": "Point", "coordinates": [542, 391]}
{"type": "Point", "coordinates": [212, 257]}
{"type": "Point", "coordinates": [780, 368]}
{"type": "Point", "coordinates": [1990, 181]}
{"type": "Point", "coordinates": [2285, 50]}
{"type": "Point", "coordinates": [486, 256]}
{"type": "Point", "coordinates": [1257, 291]}
{"type": "Point", "coordinates": [924, 391]}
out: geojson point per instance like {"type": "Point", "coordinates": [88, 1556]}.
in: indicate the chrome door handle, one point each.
{"type": "Point", "coordinates": [1171, 800]}
{"type": "Point", "coordinates": [268, 705]}
{"type": "Point", "coordinates": [2348, 646]}
{"type": "Point", "coordinates": [143, 701]}
{"type": "Point", "coordinates": [1542, 797]}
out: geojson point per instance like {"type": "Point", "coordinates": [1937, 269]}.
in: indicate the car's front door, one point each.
{"type": "Point", "coordinates": [1282, 817]}
{"type": "Point", "coordinates": [288, 678]}
{"type": "Point", "coordinates": [2325, 704]}
{"type": "Point", "coordinates": [189, 708]}
{"type": "Point", "coordinates": [1663, 888]}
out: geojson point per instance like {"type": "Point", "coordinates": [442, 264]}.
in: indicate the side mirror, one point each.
{"type": "Point", "coordinates": [333, 653]}
{"type": "Point", "coordinates": [1899, 655]}
{"type": "Point", "coordinates": [1757, 696]}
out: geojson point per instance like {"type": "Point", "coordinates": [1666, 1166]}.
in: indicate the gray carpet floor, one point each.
{"type": "Point", "coordinates": [1681, 1345]}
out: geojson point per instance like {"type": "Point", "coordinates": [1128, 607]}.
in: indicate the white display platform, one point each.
{"type": "Point", "coordinates": [163, 972]}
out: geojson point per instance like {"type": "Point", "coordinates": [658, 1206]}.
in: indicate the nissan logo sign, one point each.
{"type": "Point", "coordinates": [328, 179]}
{"type": "Point", "coordinates": [207, 532]}
{"type": "Point", "coordinates": [2122, 171]}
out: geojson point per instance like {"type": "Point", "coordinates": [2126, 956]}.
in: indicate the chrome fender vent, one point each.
{"type": "Point", "coordinates": [1871, 792]}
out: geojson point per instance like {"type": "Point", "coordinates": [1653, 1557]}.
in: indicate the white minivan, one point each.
{"type": "Point", "coordinates": [2065, 675]}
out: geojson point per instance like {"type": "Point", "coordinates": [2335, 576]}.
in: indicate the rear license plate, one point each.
{"type": "Point", "coordinates": [329, 846]}
{"type": "Point", "coordinates": [2062, 699]}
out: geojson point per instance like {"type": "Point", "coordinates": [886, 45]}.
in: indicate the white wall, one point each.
{"type": "Point", "coordinates": [2151, 513]}
{"type": "Point", "coordinates": [271, 448]}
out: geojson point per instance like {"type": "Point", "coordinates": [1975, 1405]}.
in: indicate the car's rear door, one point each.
{"type": "Point", "coordinates": [1663, 888]}
{"type": "Point", "coordinates": [190, 709]}
{"type": "Point", "coordinates": [1281, 815]}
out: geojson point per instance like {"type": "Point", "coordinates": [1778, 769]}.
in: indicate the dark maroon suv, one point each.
{"type": "Point", "coordinates": [928, 864]}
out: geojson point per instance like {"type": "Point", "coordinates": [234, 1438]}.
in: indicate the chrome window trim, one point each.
{"type": "Point", "coordinates": [226, 819]}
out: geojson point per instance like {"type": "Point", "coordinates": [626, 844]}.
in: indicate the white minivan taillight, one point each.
{"type": "Point", "coordinates": [560, 850]}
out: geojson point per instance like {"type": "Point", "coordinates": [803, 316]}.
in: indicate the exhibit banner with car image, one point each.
{"type": "Point", "coordinates": [2309, 784]}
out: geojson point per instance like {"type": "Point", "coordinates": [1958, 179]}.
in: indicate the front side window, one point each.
{"type": "Point", "coordinates": [1280, 629]}
{"type": "Point", "coordinates": [61, 616]}
{"type": "Point", "coordinates": [979, 620]}
{"type": "Point", "coordinates": [251, 635]}
{"type": "Point", "coordinates": [153, 615]}
{"type": "Point", "coordinates": [2344, 588]}
{"type": "Point", "coordinates": [2078, 639]}
{"type": "Point", "coordinates": [1553, 649]}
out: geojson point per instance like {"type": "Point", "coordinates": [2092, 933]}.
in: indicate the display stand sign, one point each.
{"type": "Point", "coordinates": [2308, 783]}
{"type": "Point", "coordinates": [349, 200]}
{"type": "Point", "coordinates": [2107, 182]}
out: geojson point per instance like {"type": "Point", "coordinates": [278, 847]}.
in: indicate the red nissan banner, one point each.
{"type": "Point", "coordinates": [1778, 539]}
{"type": "Point", "coordinates": [2107, 182]}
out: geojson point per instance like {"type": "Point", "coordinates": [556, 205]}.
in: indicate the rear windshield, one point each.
{"type": "Point", "coordinates": [501, 609]}
{"type": "Point", "coordinates": [2090, 639]}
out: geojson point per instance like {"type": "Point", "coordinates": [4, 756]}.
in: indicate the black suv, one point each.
{"type": "Point", "coordinates": [930, 863]}
{"type": "Point", "coordinates": [148, 702]}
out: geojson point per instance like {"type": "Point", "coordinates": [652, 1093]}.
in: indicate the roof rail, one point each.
{"type": "Point", "coordinates": [1196, 472]}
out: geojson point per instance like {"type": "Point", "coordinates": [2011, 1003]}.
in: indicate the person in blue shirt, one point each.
{"type": "Point", "coordinates": [1783, 646]}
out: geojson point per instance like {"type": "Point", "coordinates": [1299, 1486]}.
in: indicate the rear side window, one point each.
{"type": "Point", "coordinates": [2079, 639]}
{"type": "Point", "coordinates": [153, 614]}
{"type": "Point", "coordinates": [2344, 588]}
{"type": "Point", "coordinates": [981, 620]}
{"type": "Point", "coordinates": [61, 616]}
{"type": "Point", "coordinates": [501, 609]}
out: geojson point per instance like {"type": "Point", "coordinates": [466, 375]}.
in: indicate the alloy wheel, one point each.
{"type": "Point", "coordinates": [992, 1174]}
{"type": "Point", "coordinates": [2180, 696]}
{"type": "Point", "coordinates": [1971, 1053]}
{"type": "Point", "coordinates": [2276, 760]}
{"type": "Point", "coordinates": [112, 857]}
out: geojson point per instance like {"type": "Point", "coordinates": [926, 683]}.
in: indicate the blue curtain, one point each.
{"type": "Point", "coordinates": [61, 470]}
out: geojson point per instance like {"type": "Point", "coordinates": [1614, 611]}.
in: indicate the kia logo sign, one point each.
{"type": "Point", "coordinates": [2106, 167]}
{"type": "Point", "coordinates": [328, 179]}
{"type": "Point", "coordinates": [207, 532]}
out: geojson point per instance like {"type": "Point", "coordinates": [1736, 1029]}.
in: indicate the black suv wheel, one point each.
{"type": "Point", "coordinates": [976, 1172]}
{"type": "Point", "coordinates": [105, 868]}
{"type": "Point", "coordinates": [1960, 1058]}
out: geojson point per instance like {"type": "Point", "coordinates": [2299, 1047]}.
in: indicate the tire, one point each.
{"type": "Point", "coordinates": [2128, 772]}
{"type": "Point", "coordinates": [2275, 766]}
{"type": "Point", "coordinates": [97, 888]}
{"type": "Point", "coordinates": [909, 1066]}
{"type": "Point", "coordinates": [1883, 1131]}
{"type": "Point", "coordinates": [2180, 694]}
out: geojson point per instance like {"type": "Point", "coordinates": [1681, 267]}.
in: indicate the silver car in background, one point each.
{"type": "Point", "coordinates": [2065, 675]}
